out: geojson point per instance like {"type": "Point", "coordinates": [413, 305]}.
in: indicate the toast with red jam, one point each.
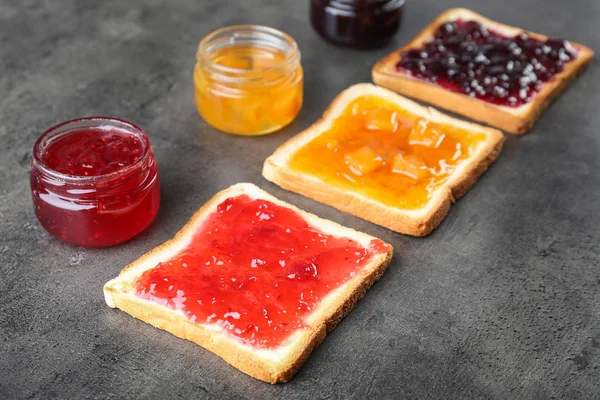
{"type": "Point", "coordinates": [252, 279]}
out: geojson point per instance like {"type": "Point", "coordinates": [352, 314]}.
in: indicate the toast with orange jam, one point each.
{"type": "Point", "coordinates": [386, 159]}
{"type": "Point", "coordinates": [252, 279]}
{"type": "Point", "coordinates": [488, 71]}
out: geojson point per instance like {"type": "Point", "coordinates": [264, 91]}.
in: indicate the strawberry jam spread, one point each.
{"type": "Point", "coordinates": [255, 269]}
{"type": "Point", "coordinates": [467, 57]}
{"type": "Point", "coordinates": [93, 151]}
{"type": "Point", "coordinates": [94, 181]}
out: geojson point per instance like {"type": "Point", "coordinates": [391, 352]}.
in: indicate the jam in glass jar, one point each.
{"type": "Point", "coordinates": [357, 23]}
{"type": "Point", "coordinates": [94, 181]}
{"type": "Point", "coordinates": [248, 79]}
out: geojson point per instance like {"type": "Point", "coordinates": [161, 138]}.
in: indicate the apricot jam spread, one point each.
{"type": "Point", "coordinates": [467, 57]}
{"type": "Point", "coordinates": [94, 181]}
{"type": "Point", "coordinates": [384, 152]}
{"type": "Point", "coordinates": [248, 79]}
{"type": "Point", "coordinates": [255, 269]}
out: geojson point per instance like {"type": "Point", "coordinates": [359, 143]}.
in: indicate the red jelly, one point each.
{"type": "Point", "coordinates": [467, 57]}
{"type": "Point", "coordinates": [256, 269]}
{"type": "Point", "coordinates": [94, 181]}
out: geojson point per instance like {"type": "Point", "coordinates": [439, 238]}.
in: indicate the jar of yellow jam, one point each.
{"type": "Point", "coordinates": [248, 79]}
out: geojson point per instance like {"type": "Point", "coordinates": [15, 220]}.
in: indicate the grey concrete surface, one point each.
{"type": "Point", "coordinates": [502, 301]}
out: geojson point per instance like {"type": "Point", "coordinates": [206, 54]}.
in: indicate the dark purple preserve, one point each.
{"type": "Point", "coordinates": [357, 23]}
{"type": "Point", "coordinates": [469, 58]}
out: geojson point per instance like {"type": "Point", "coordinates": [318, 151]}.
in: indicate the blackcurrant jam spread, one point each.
{"type": "Point", "coordinates": [466, 57]}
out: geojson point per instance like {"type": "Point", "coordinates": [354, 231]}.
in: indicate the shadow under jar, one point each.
{"type": "Point", "coordinates": [357, 23]}
{"type": "Point", "coordinates": [94, 181]}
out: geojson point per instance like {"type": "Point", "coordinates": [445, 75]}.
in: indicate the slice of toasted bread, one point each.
{"type": "Point", "coordinates": [416, 222]}
{"type": "Point", "coordinates": [511, 119]}
{"type": "Point", "coordinates": [270, 365]}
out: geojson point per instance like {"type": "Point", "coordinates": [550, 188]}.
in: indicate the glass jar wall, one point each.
{"type": "Point", "coordinates": [248, 79]}
{"type": "Point", "coordinates": [357, 23]}
{"type": "Point", "coordinates": [94, 181]}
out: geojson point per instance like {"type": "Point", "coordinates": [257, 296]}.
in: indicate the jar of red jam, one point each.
{"type": "Point", "coordinates": [357, 23]}
{"type": "Point", "coordinates": [94, 181]}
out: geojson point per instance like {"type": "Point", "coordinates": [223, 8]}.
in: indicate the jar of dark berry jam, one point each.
{"type": "Point", "coordinates": [357, 23]}
{"type": "Point", "coordinates": [94, 181]}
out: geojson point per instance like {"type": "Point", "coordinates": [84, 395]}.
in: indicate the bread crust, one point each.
{"type": "Point", "coordinates": [419, 222]}
{"type": "Point", "coordinates": [271, 366]}
{"type": "Point", "coordinates": [516, 120]}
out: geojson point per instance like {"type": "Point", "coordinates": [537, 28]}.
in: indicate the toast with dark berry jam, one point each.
{"type": "Point", "coordinates": [484, 70]}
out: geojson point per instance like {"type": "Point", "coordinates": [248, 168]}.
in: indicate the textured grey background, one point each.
{"type": "Point", "coordinates": [502, 301]}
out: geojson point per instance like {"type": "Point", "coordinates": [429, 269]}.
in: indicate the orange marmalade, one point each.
{"type": "Point", "coordinates": [248, 79]}
{"type": "Point", "coordinates": [382, 151]}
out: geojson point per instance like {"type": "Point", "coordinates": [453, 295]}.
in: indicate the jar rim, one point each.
{"type": "Point", "coordinates": [229, 35]}
{"type": "Point", "coordinates": [351, 4]}
{"type": "Point", "coordinates": [43, 141]}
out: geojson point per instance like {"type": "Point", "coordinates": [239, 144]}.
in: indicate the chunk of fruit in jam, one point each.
{"type": "Point", "coordinates": [303, 270]}
{"type": "Point", "coordinates": [410, 166]}
{"type": "Point", "coordinates": [467, 57]}
{"type": "Point", "coordinates": [380, 119]}
{"type": "Point", "coordinates": [363, 160]}
{"type": "Point", "coordinates": [333, 145]}
{"type": "Point", "coordinates": [425, 133]}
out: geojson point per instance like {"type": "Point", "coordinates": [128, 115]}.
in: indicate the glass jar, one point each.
{"type": "Point", "coordinates": [357, 23]}
{"type": "Point", "coordinates": [113, 202]}
{"type": "Point", "coordinates": [248, 79]}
